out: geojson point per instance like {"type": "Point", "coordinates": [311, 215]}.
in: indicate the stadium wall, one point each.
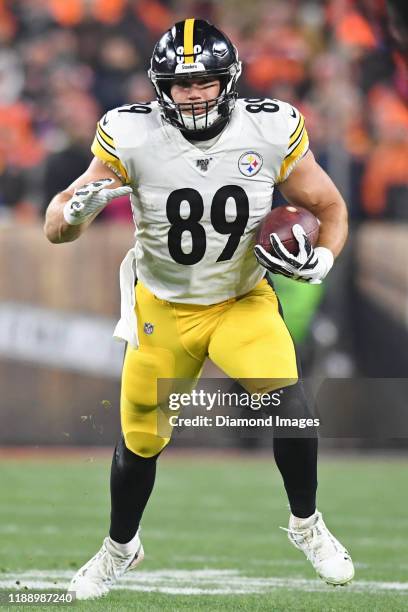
{"type": "Point", "coordinates": [60, 367]}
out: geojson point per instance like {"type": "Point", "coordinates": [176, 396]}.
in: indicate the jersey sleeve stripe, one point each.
{"type": "Point", "coordinates": [295, 143]}
{"type": "Point", "coordinates": [112, 161]}
{"type": "Point", "coordinates": [105, 146]}
{"type": "Point", "coordinates": [298, 151]}
{"type": "Point", "coordinates": [105, 136]}
{"type": "Point", "coordinates": [297, 131]}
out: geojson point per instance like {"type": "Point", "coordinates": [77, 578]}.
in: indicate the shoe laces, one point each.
{"type": "Point", "coordinates": [107, 566]}
{"type": "Point", "coordinates": [319, 543]}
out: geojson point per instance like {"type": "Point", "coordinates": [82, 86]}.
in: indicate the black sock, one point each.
{"type": "Point", "coordinates": [295, 452]}
{"type": "Point", "coordinates": [131, 483]}
{"type": "Point", "coordinates": [296, 459]}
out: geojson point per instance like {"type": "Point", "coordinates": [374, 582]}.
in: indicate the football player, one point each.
{"type": "Point", "coordinates": [200, 167]}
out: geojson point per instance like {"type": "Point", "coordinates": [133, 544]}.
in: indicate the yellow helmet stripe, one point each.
{"type": "Point", "coordinates": [189, 41]}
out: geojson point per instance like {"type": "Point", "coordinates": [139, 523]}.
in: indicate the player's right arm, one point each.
{"type": "Point", "coordinates": [73, 210]}
{"type": "Point", "coordinates": [56, 227]}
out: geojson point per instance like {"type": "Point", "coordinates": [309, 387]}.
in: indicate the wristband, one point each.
{"type": "Point", "coordinates": [326, 260]}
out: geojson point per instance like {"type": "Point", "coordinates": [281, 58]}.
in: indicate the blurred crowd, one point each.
{"type": "Point", "coordinates": [64, 63]}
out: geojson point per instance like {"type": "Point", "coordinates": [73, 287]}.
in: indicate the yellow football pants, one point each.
{"type": "Point", "coordinates": [245, 336]}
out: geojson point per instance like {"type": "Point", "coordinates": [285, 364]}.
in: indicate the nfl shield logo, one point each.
{"type": "Point", "coordinates": [148, 328]}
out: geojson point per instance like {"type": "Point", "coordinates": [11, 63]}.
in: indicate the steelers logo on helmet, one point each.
{"type": "Point", "coordinates": [250, 163]}
{"type": "Point", "coordinates": [195, 48]}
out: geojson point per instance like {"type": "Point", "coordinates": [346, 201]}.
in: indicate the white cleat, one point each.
{"type": "Point", "coordinates": [96, 578]}
{"type": "Point", "coordinates": [329, 558]}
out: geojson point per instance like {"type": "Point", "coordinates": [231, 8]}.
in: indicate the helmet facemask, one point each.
{"type": "Point", "coordinates": [214, 59]}
{"type": "Point", "coordinates": [200, 115]}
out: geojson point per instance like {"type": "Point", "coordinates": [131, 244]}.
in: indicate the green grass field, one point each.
{"type": "Point", "coordinates": [211, 534]}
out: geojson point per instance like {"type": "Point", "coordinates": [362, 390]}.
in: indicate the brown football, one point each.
{"type": "Point", "coordinates": [281, 220]}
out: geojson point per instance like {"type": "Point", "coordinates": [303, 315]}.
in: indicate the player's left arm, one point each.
{"type": "Point", "coordinates": [304, 183]}
{"type": "Point", "coordinates": [308, 185]}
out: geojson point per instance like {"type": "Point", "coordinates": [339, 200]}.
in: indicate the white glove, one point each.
{"type": "Point", "coordinates": [91, 198]}
{"type": "Point", "coordinates": [310, 265]}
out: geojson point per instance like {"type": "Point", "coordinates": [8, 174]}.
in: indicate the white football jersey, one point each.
{"type": "Point", "coordinates": [196, 212]}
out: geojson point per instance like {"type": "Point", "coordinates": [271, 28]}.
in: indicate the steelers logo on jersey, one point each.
{"type": "Point", "coordinates": [250, 163]}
